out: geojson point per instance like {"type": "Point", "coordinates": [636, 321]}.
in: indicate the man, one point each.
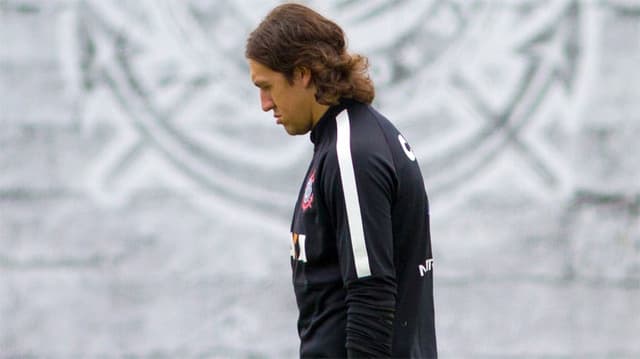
{"type": "Point", "coordinates": [361, 247]}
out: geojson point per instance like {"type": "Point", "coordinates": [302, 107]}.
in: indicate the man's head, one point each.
{"type": "Point", "coordinates": [299, 60]}
{"type": "Point", "coordinates": [292, 100]}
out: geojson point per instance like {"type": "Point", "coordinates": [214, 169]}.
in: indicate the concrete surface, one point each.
{"type": "Point", "coordinates": [145, 198]}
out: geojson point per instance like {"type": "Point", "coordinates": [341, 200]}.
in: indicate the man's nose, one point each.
{"type": "Point", "coordinates": [266, 101]}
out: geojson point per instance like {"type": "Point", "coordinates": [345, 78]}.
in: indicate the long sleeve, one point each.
{"type": "Point", "coordinates": [359, 187]}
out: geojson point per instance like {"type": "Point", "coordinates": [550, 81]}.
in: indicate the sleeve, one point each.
{"type": "Point", "coordinates": [359, 190]}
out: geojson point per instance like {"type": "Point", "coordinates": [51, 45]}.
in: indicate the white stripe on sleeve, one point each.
{"type": "Point", "coordinates": [351, 200]}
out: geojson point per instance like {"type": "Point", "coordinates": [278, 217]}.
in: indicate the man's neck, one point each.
{"type": "Point", "coordinates": [317, 110]}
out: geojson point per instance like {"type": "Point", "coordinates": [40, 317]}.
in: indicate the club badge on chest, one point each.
{"type": "Point", "coordinates": [307, 199]}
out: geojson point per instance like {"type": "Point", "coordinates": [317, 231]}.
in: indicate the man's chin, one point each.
{"type": "Point", "coordinates": [294, 131]}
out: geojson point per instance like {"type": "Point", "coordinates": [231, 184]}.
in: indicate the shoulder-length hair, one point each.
{"type": "Point", "coordinates": [293, 36]}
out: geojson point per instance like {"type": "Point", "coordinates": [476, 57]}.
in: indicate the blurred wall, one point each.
{"type": "Point", "coordinates": [145, 199]}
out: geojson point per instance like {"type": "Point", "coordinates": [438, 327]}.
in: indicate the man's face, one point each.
{"type": "Point", "coordinates": [291, 102]}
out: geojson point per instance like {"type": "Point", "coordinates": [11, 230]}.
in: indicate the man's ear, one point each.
{"type": "Point", "coordinates": [303, 74]}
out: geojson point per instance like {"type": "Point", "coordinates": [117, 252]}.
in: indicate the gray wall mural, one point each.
{"type": "Point", "coordinates": [145, 198]}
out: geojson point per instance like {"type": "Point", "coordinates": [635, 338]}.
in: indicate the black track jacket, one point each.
{"type": "Point", "coordinates": [361, 248]}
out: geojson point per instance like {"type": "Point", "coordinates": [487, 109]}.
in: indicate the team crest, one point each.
{"type": "Point", "coordinates": [307, 199]}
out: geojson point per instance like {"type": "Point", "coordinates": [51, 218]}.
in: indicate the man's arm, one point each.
{"type": "Point", "coordinates": [359, 188]}
{"type": "Point", "coordinates": [370, 314]}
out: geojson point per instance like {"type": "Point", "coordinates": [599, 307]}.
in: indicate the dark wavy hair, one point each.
{"type": "Point", "coordinates": [293, 36]}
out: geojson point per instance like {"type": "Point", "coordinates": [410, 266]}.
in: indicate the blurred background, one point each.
{"type": "Point", "coordinates": [145, 199]}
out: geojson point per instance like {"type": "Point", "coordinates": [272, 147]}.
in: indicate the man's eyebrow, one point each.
{"type": "Point", "coordinates": [260, 83]}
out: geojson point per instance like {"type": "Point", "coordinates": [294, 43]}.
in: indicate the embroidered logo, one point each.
{"type": "Point", "coordinates": [307, 199]}
{"type": "Point", "coordinates": [406, 148]}
{"type": "Point", "coordinates": [426, 267]}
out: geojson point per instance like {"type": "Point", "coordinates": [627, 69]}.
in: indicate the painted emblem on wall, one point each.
{"type": "Point", "coordinates": [473, 85]}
